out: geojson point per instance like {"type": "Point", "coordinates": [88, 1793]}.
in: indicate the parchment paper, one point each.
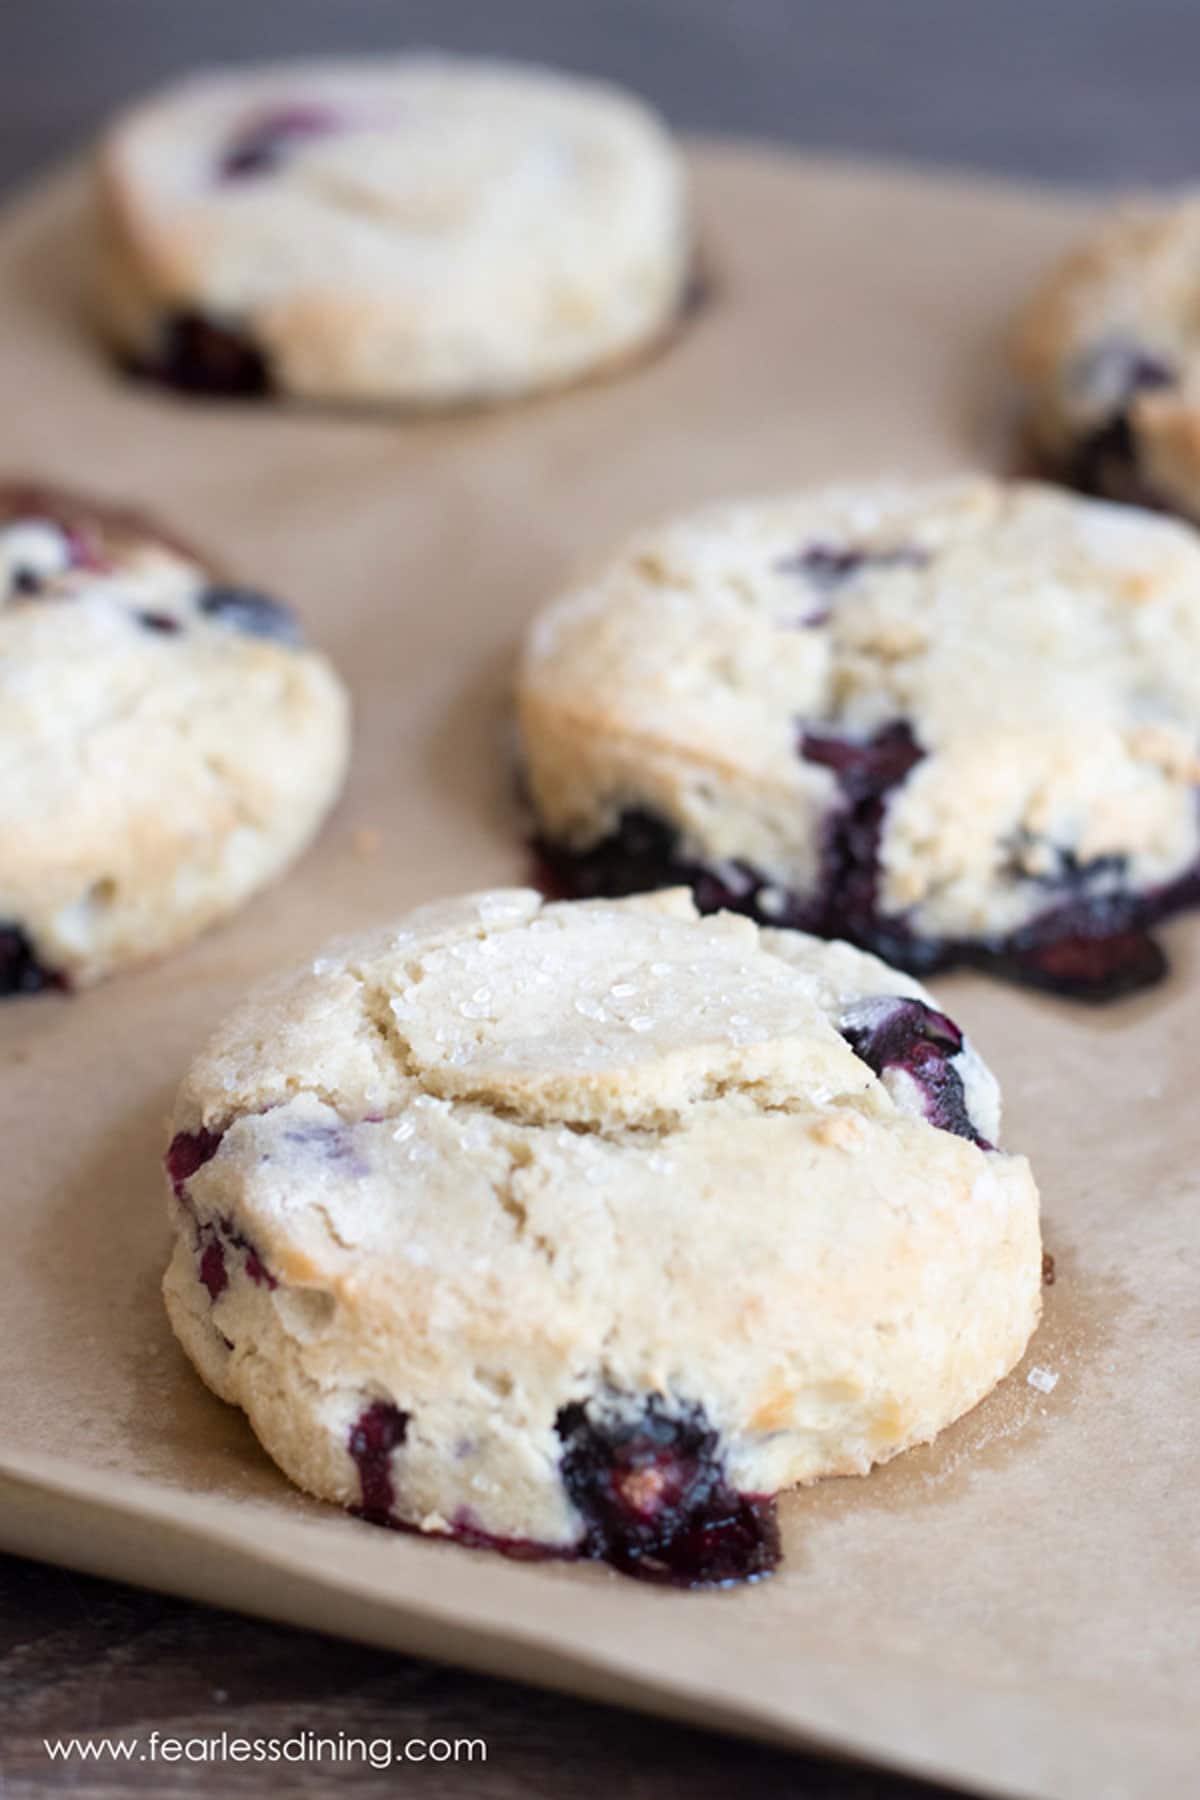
{"type": "Point", "coordinates": [1014, 1608]}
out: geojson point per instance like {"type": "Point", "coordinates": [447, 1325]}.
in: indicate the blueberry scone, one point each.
{"type": "Point", "coordinates": [167, 744]}
{"type": "Point", "coordinates": [583, 1229]}
{"type": "Point", "coordinates": [954, 722]}
{"type": "Point", "coordinates": [418, 230]}
{"type": "Point", "coordinates": [1109, 352]}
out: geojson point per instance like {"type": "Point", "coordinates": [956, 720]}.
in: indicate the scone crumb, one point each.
{"type": "Point", "coordinates": [1044, 1380]}
{"type": "Point", "coordinates": [841, 1131]}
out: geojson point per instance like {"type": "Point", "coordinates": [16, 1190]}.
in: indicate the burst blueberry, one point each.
{"type": "Point", "coordinates": [651, 1488]}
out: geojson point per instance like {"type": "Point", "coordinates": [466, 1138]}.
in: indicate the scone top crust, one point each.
{"type": "Point", "coordinates": [1026, 663]}
{"type": "Point", "coordinates": [527, 1175]}
{"type": "Point", "coordinates": [478, 228]}
{"type": "Point", "coordinates": [621, 1016]}
{"type": "Point", "coordinates": [166, 741]}
{"type": "Point", "coordinates": [1109, 352]}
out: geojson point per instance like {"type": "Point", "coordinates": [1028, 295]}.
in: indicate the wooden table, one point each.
{"type": "Point", "coordinates": [80, 1657]}
{"type": "Point", "coordinates": [1083, 89]}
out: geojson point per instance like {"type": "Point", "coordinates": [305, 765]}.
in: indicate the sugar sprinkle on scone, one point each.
{"type": "Point", "coordinates": [949, 722]}
{"type": "Point", "coordinates": [168, 744]}
{"type": "Point", "coordinates": [585, 1228]}
{"type": "Point", "coordinates": [1108, 350]}
{"type": "Point", "coordinates": [419, 230]}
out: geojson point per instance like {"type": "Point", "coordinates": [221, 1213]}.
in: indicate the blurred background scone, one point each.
{"type": "Point", "coordinates": [167, 743]}
{"type": "Point", "coordinates": [950, 722]}
{"type": "Point", "coordinates": [419, 230]}
{"type": "Point", "coordinates": [1109, 352]}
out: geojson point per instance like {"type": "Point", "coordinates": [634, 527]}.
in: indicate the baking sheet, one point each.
{"type": "Point", "coordinates": [1015, 1608]}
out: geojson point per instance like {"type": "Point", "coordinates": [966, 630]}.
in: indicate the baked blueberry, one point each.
{"type": "Point", "coordinates": [905, 1037]}
{"type": "Point", "coordinates": [377, 1432]}
{"type": "Point", "coordinates": [647, 1479]}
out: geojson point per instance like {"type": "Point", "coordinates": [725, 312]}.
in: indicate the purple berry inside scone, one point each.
{"type": "Point", "coordinates": [261, 146]}
{"type": "Point", "coordinates": [189, 1151]}
{"type": "Point", "coordinates": [651, 1490]}
{"type": "Point", "coordinates": [895, 1033]}
{"type": "Point", "coordinates": [828, 567]}
{"type": "Point", "coordinates": [213, 1272]}
{"type": "Point", "coordinates": [377, 1431]}
{"type": "Point", "coordinates": [253, 1263]}
{"type": "Point", "coordinates": [20, 970]}
{"type": "Point", "coordinates": [655, 1499]}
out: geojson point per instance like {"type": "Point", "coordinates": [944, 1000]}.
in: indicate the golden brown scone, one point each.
{"type": "Point", "coordinates": [957, 721]}
{"type": "Point", "coordinates": [167, 743]}
{"type": "Point", "coordinates": [420, 230]}
{"type": "Point", "coordinates": [588, 1227]}
{"type": "Point", "coordinates": [1109, 354]}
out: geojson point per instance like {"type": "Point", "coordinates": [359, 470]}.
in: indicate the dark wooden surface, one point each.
{"type": "Point", "coordinates": [1088, 90]}
{"type": "Point", "coordinates": [80, 1657]}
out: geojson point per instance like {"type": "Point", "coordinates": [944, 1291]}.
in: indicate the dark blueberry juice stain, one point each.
{"type": "Point", "coordinates": [252, 613]}
{"type": "Point", "coordinates": [908, 1035]}
{"type": "Point", "coordinates": [373, 1437]}
{"type": "Point", "coordinates": [867, 773]}
{"type": "Point", "coordinates": [1090, 949]}
{"type": "Point", "coordinates": [655, 1500]}
{"type": "Point", "coordinates": [643, 853]}
{"type": "Point", "coordinates": [201, 356]}
{"type": "Point", "coordinates": [1091, 941]}
{"type": "Point", "coordinates": [20, 970]}
{"type": "Point", "coordinates": [865, 769]}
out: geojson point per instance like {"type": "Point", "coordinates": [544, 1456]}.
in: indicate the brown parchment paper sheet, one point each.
{"type": "Point", "coordinates": [1015, 1608]}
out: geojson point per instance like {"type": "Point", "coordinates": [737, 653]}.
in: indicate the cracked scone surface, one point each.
{"type": "Point", "coordinates": [421, 230]}
{"type": "Point", "coordinates": [952, 721]}
{"type": "Point", "coordinates": [589, 1226]}
{"type": "Point", "coordinates": [167, 743]}
{"type": "Point", "coordinates": [1108, 349]}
